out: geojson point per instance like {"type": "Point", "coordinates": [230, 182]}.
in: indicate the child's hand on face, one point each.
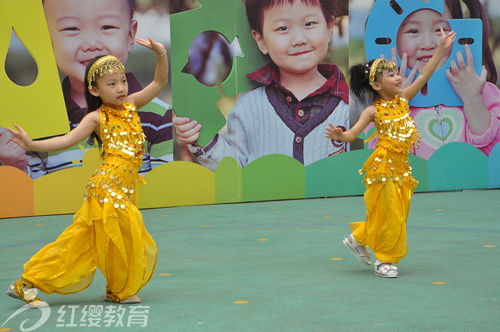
{"type": "Point", "coordinates": [333, 132]}
{"type": "Point", "coordinates": [21, 138]}
{"type": "Point", "coordinates": [463, 76]}
{"type": "Point", "coordinates": [159, 48]}
{"type": "Point", "coordinates": [187, 131]}
{"type": "Point", "coordinates": [11, 154]}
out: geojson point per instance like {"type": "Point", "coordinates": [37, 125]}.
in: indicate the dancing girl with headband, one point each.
{"type": "Point", "coordinates": [108, 231]}
{"type": "Point", "coordinates": [388, 179]}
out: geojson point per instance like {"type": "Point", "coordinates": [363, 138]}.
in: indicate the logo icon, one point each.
{"type": "Point", "coordinates": [45, 316]}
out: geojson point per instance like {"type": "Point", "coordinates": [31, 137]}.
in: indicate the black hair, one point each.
{"type": "Point", "coordinates": [255, 10]}
{"type": "Point", "coordinates": [130, 6]}
{"type": "Point", "coordinates": [93, 102]}
{"type": "Point", "coordinates": [359, 83]}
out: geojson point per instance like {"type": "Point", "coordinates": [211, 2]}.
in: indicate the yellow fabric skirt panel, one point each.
{"type": "Point", "coordinates": [65, 266]}
{"type": "Point", "coordinates": [115, 240]}
{"type": "Point", "coordinates": [387, 208]}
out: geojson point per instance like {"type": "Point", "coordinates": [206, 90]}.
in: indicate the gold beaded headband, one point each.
{"type": "Point", "coordinates": [108, 64]}
{"type": "Point", "coordinates": [378, 66]}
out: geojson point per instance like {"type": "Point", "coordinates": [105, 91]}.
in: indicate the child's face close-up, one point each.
{"type": "Point", "coordinates": [419, 36]}
{"type": "Point", "coordinates": [81, 30]}
{"type": "Point", "coordinates": [112, 89]}
{"type": "Point", "coordinates": [390, 82]}
{"type": "Point", "coordinates": [295, 36]}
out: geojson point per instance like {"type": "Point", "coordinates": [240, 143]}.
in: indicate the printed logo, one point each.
{"type": "Point", "coordinates": [45, 316]}
{"type": "Point", "coordinates": [113, 315]}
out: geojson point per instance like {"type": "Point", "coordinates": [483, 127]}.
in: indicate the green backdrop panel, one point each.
{"type": "Point", "coordinates": [494, 166]}
{"type": "Point", "coordinates": [191, 98]}
{"type": "Point", "coordinates": [273, 177]}
{"type": "Point", "coordinates": [420, 171]}
{"type": "Point", "coordinates": [337, 175]}
{"type": "Point", "coordinates": [228, 181]}
{"type": "Point", "coordinates": [458, 166]}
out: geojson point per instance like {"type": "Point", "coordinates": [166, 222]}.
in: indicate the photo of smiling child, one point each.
{"type": "Point", "coordinates": [81, 30]}
{"type": "Point", "coordinates": [298, 95]}
{"type": "Point", "coordinates": [477, 121]}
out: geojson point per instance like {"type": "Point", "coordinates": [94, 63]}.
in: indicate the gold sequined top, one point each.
{"type": "Point", "coordinates": [397, 135]}
{"type": "Point", "coordinates": [115, 181]}
{"type": "Point", "coordinates": [121, 133]}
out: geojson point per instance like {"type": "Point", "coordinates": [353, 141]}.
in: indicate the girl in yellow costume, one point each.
{"type": "Point", "coordinates": [108, 231]}
{"type": "Point", "coordinates": [388, 180]}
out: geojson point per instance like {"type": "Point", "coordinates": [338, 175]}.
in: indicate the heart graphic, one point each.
{"type": "Point", "coordinates": [441, 130]}
{"type": "Point", "coordinates": [440, 125]}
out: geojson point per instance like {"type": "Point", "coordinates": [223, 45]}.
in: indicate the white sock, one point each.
{"type": "Point", "coordinates": [355, 242]}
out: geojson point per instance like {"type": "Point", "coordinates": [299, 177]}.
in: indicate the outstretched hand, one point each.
{"type": "Point", "coordinates": [159, 48]}
{"type": "Point", "coordinates": [11, 154]}
{"type": "Point", "coordinates": [447, 39]}
{"type": "Point", "coordinates": [21, 138]}
{"type": "Point", "coordinates": [141, 98]}
{"type": "Point", "coordinates": [334, 133]}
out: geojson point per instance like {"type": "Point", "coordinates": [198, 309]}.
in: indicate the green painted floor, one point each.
{"type": "Point", "coordinates": [286, 263]}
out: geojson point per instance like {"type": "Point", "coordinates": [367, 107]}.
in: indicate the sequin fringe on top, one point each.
{"type": "Point", "coordinates": [397, 137]}
{"type": "Point", "coordinates": [116, 180]}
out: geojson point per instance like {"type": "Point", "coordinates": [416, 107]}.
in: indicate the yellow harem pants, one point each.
{"type": "Point", "coordinates": [387, 208]}
{"type": "Point", "coordinates": [118, 244]}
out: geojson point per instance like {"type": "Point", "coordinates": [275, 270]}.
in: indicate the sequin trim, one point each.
{"type": "Point", "coordinates": [397, 137]}
{"type": "Point", "coordinates": [26, 292]}
{"type": "Point", "coordinates": [112, 297]}
{"type": "Point", "coordinates": [115, 181]}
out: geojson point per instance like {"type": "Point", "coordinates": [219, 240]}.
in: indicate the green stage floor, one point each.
{"type": "Point", "coordinates": [281, 266]}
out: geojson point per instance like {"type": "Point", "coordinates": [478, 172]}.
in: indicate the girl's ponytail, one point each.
{"type": "Point", "coordinates": [360, 83]}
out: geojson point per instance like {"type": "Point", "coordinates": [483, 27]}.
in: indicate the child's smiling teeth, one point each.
{"type": "Point", "coordinates": [424, 59]}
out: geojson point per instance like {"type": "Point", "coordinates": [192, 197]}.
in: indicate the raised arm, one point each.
{"type": "Point", "coordinates": [366, 117]}
{"type": "Point", "coordinates": [147, 94]}
{"type": "Point", "coordinates": [88, 125]}
{"type": "Point", "coordinates": [446, 41]}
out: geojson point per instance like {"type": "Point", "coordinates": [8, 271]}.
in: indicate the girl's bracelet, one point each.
{"type": "Point", "coordinates": [164, 53]}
